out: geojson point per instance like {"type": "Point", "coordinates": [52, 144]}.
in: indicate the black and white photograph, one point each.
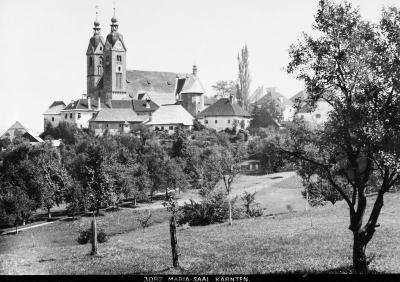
{"type": "Point", "coordinates": [200, 141]}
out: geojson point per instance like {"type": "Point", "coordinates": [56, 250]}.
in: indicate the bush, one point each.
{"type": "Point", "coordinates": [85, 236]}
{"type": "Point", "coordinates": [213, 209]}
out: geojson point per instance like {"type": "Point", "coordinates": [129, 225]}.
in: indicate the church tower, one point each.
{"type": "Point", "coordinates": [114, 64]}
{"type": "Point", "coordinates": [94, 56]}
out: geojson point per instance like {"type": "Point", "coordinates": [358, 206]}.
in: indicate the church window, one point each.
{"type": "Point", "coordinates": [229, 121]}
{"type": "Point", "coordinates": [101, 48]}
{"type": "Point", "coordinates": [52, 119]}
{"type": "Point", "coordinates": [119, 58]}
{"type": "Point", "coordinates": [70, 115]}
{"type": "Point", "coordinates": [101, 60]}
{"type": "Point", "coordinates": [90, 61]}
{"type": "Point", "coordinates": [119, 68]}
{"type": "Point", "coordinates": [119, 80]}
{"type": "Point", "coordinates": [79, 115]}
{"type": "Point", "coordinates": [107, 125]}
{"type": "Point", "coordinates": [216, 121]}
{"type": "Point", "coordinates": [66, 116]}
{"type": "Point", "coordinates": [171, 127]}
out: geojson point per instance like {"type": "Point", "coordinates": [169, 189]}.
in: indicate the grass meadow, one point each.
{"type": "Point", "coordinates": [271, 244]}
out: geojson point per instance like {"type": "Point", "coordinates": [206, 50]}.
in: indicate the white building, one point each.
{"type": "Point", "coordinates": [115, 121]}
{"type": "Point", "coordinates": [316, 117]}
{"type": "Point", "coordinates": [168, 117]}
{"type": "Point", "coordinates": [223, 114]}
{"type": "Point", "coordinates": [53, 114]}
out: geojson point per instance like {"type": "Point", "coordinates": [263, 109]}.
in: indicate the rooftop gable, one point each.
{"type": "Point", "coordinates": [224, 107]}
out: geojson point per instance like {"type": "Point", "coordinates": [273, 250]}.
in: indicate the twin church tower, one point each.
{"type": "Point", "coordinates": [106, 64]}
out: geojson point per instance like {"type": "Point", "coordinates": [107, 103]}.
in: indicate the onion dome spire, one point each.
{"type": "Point", "coordinates": [114, 22]}
{"type": "Point", "coordinates": [96, 23]}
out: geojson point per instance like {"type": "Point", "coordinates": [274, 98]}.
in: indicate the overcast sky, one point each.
{"type": "Point", "coordinates": [43, 44]}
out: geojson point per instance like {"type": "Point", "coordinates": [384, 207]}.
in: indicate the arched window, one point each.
{"type": "Point", "coordinates": [90, 61]}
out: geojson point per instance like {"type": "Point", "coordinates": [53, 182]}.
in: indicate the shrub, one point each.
{"type": "Point", "coordinates": [144, 220]}
{"type": "Point", "coordinates": [85, 236]}
{"type": "Point", "coordinates": [252, 209]}
{"type": "Point", "coordinates": [213, 209]}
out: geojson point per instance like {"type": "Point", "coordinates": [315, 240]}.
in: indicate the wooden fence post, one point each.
{"type": "Point", "coordinates": [94, 236]}
{"type": "Point", "coordinates": [174, 242]}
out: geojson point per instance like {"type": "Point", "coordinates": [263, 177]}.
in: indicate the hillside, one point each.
{"type": "Point", "coordinates": [285, 243]}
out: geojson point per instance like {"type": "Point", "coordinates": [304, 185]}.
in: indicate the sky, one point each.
{"type": "Point", "coordinates": [43, 44]}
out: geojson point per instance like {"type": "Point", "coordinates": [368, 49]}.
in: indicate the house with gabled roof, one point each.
{"type": "Point", "coordinates": [15, 130]}
{"type": "Point", "coordinates": [115, 121]}
{"type": "Point", "coordinates": [317, 116]}
{"type": "Point", "coordinates": [223, 114]}
{"type": "Point", "coordinates": [53, 114]}
{"type": "Point", "coordinates": [168, 117]}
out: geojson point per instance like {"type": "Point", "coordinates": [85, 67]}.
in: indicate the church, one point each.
{"type": "Point", "coordinates": [117, 97]}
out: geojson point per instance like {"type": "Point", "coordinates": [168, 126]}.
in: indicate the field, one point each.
{"type": "Point", "coordinates": [281, 243]}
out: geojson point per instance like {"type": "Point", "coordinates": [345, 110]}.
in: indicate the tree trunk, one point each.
{"type": "Point", "coordinates": [16, 228]}
{"type": "Point", "coordinates": [174, 242]}
{"type": "Point", "coordinates": [94, 237]}
{"type": "Point", "coordinates": [359, 258]}
{"type": "Point", "coordinates": [230, 210]}
{"type": "Point", "coordinates": [48, 214]}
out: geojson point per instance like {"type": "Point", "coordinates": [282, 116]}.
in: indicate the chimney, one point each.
{"type": "Point", "coordinates": [231, 99]}
{"type": "Point", "coordinates": [89, 103]}
{"type": "Point", "coordinates": [98, 104]}
{"type": "Point", "coordinates": [147, 103]}
{"type": "Point", "coordinates": [194, 70]}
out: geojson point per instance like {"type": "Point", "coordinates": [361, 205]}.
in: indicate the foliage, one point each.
{"type": "Point", "coordinates": [85, 236]}
{"type": "Point", "coordinates": [251, 207]}
{"type": "Point", "coordinates": [267, 113]}
{"type": "Point", "coordinates": [243, 78]}
{"type": "Point", "coordinates": [144, 220]}
{"type": "Point", "coordinates": [353, 66]}
{"type": "Point", "coordinates": [66, 131]}
{"type": "Point", "coordinates": [225, 88]}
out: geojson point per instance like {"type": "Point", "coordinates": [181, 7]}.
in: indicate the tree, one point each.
{"type": "Point", "coordinates": [353, 65]}
{"type": "Point", "coordinates": [228, 168]}
{"type": "Point", "coordinates": [243, 77]}
{"type": "Point", "coordinates": [266, 114]}
{"type": "Point", "coordinates": [52, 178]}
{"type": "Point", "coordinates": [225, 88]}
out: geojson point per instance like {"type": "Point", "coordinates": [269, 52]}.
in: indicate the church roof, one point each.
{"type": "Point", "coordinates": [161, 87]}
{"type": "Point", "coordinates": [224, 107]}
{"type": "Point", "coordinates": [94, 41]}
{"type": "Point", "coordinates": [117, 115]}
{"type": "Point", "coordinates": [171, 114]}
{"type": "Point", "coordinates": [136, 105]}
{"type": "Point", "coordinates": [192, 85]}
{"type": "Point", "coordinates": [139, 81]}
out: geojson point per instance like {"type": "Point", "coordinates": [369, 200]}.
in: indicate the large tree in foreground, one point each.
{"type": "Point", "coordinates": [353, 65]}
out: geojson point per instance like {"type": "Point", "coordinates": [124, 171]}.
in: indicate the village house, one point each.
{"type": "Point", "coordinates": [168, 117]}
{"type": "Point", "coordinates": [223, 114]}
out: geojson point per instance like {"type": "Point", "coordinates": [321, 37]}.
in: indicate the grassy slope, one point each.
{"type": "Point", "coordinates": [264, 245]}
